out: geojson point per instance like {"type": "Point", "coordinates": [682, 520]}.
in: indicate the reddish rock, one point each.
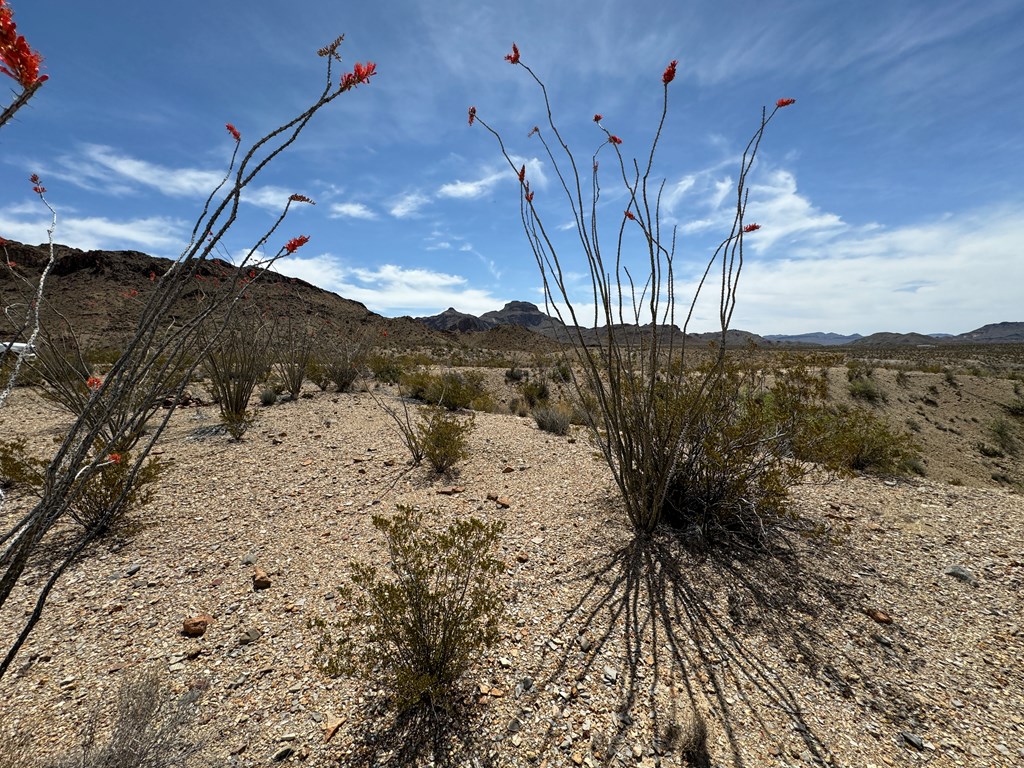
{"type": "Point", "coordinates": [196, 625]}
{"type": "Point", "coordinates": [880, 616]}
{"type": "Point", "coordinates": [260, 579]}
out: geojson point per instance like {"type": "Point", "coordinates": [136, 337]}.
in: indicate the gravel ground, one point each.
{"type": "Point", "coordinates": [861, 646]}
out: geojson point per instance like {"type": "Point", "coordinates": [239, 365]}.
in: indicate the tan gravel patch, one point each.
{"type": "Point", "coordinates": [789, 661]}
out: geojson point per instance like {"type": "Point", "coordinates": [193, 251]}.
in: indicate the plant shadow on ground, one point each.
{"type": "Point", "coordinates": [420, 735]}
{"type": "Point", "coordinates": [682, 622]}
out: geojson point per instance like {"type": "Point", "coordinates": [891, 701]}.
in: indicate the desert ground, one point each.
{"type": "Point", "coordinates": [891, 637]}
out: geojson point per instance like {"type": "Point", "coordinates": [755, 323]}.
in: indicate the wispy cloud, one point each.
{"type": "Point", "coordinates": [155, 234]}
{"type": "Point", "coordinates": [102, 168]}
{"type": "Point", "coordinates": [490, 178]}
{"type": "Point", "coordinates": [408, 205]}
{"type": "Point", "coordinates": [351, 211]}
{"type": "Point", "coordinates": [390, 288]}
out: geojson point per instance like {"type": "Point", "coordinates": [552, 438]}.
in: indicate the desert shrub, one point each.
{"type": "Point", "coordinates": [103, 499]}
{"type": "Point", "coordinates": [454, 390]}
{"type": "Point", "coordinates": [69, 382]}
{"type": "Point", "coordinates": [342, 363]}
{"type": "Point", "coordinates": [516, 374]}
{"type": "Point", "coordinates": [1016, 408]}
{"type": "Point", "coordinates": [553, 420]}
{"type": "Point", "coordinates": [268, 396]}
{"type": "Point", "coordinates": [293, 345]}
{"type": "Point", "coordinates": [867, 389]}
{"type": "Point", "coordinates": [535, 392]}
{"type": "Point", "coordinates": [517, 407]}
{"type": "Point", "coordinates": [421, 624]}
{"type": "Point", "coordinates": [385, 368]}
{"type": "Point", "coordinates": [859, 369]}
{"type": "Point", "coordinates": [844, 439]}
{"type": "Point", "coordinates": [442, 438]}
{"type": "Point", "coordinates": [913, 425]}
{"type": "Point", "coordinates": [690, 448]}
{"type": "Point", "coordinates": [318, 373]}
{"type": "Point", "coordinates": [561, 372]}
{"type": "Point", "coordinates": [732, 471]}
{"type": "Point", "coordinates": [18, 468]}
{"type": "Point", "coordinates": [902, 379]}
{"type": "Point", "coordinates": [150, 730]}
{"type": "Point", "coordinates": [949, 376]}
{"type": "Point", "coordinates": [1002, 433]}
{"type": "Point", "coordinates": [237, 359]}
{"type": "Point", "coordinates": [989, 451]}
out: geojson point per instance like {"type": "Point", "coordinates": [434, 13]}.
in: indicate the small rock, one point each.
{"type": "Point", "coordinates": [516, 740]}
{"type": "Point", "coordinates": [260, 579]}
{"type": "Point", "coordinates": [880, 616]}
{"type": "Point", "coordinates": [505, 662]}
{"type": "Point", "coordinates": [333, 724]}
{"type": "Point", "coordinates": [586, 643]}
{"type": "Point", "coordinates": [503, 502]}
{"type": "Point", "coordinates": [451, 490]}
{"type": "Point", "coordinates": [133, 569]}
{"type": "Point", "coordinates": [912, 739]}
{"type": "Point", "coordinates": [610, 674]}
{"type": "Point", "coordinates": [283, 754]}
{"type": "Point", "coordinates": [508, 469]}
{"type": "Point", "coordinates": [514, 726]}
{"type": "Point", "coordinates": [962, 574]}
{"type": "Point", "coordinates": [526, 683]}
{"type": "Point", "coordinates": [249, 559]}
{"type": "Point", "coordinates": [250, 636]}
{"type": "Point", "coordinates": [196, 625]}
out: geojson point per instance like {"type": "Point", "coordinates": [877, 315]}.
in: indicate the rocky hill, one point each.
{"type": "Point", "coordinates": [100, 294]}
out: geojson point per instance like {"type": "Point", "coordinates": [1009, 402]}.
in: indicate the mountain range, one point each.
{"type": "Point", "coordinates": [100, 293]}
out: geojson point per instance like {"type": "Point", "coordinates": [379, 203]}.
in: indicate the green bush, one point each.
{"type": "Point", "coordinates": [867, 389]}
{"type": "Point", "coordinates": [18, 469]}
{"type": "Point", "coordinates": [553, 420]}
{"type": "Point", "coordinates": [424, 623]}
{"type": "Point", "coordinates": [515, 374]}
{"type": "Point", "coordinates": [101, 501]}
{"type": "Point", "coordinates": [268, 396]}
{"type": "Point", "coordinates": [844, 439]}
{"type": "Point", "coordinates": [535, 393]}
{"type": "Point", "coordinates": [385, 369]}
{"type": "Point", "coordinates": [442, 438]}
{"type": "Point", "coordinates": [1002, 433]}
{"type": "Point", "coordinates": [452, 390]}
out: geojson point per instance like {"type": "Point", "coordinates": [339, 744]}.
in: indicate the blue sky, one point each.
{"type": "Point", "coordinates": [889, 195]}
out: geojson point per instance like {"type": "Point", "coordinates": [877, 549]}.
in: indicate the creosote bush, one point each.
{"type": "Point", "coordinates": [443, 438]}
{"type": "Point", "coordinates": [454, 390]}
{"type": "Point", "coordinates": [844, 439]}
{"type": "Point", "coordinates": [421, 623]}
{"type": "Point", "coordinates": [105, 498]}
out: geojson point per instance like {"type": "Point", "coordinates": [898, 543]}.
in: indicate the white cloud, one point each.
{"type": "Point", "coordinates": [408, 205]}
{"type": "Point", "coordinates": [489, 178]}
{"type": "Point", "coordinates": [471, 190]}
{"type": "Point", "coordinates": [351, 211]}
{"type": "Point", "coordinates": [154, 234]}
{"type": "Point", "coordinates": [102, 168]}
{"type": "Point", "coordinates": [392, 289]}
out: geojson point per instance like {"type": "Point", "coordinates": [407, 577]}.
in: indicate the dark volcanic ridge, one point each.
{"type": "Point", "coordinates": [100, 294]}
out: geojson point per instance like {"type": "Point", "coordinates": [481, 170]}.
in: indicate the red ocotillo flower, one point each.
{"type": "Point", "coordinates": [614, 140]}
{"type": "Point", "coordinates": [751, 227]}
{"type": "Point", "coordinates": [296, 198]}
{"type": "Point", "coordinates": [472, 115]}
{"type": "Point", "coordinates": [361, 73]}
{"type": "Point", "coordinates": [94, 382]}
{"type": "Point", "coordinates": [522, 174]}
{"type": "Point", "coordinates": [233, 131]}
{"type": "Point", "coordinates": [598, 118]}
{"type": "Point", "coordinates": [784, 103]}
{"type": "Point", "coordinates": [513, 58]}
{"type": "Point", "coordinates": [670, 72]}
{"type": "Point", "coordinates": [17, 59]}
{"type": "Point", "coordinates": [630, 216]}
{"type": "Point", "coordinates": [295, 243]}
{"type": "Point", "coordinates": [37, 185]}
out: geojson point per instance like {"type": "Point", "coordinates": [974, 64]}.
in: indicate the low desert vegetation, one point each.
{"type": "Point", "coordinates": [424, 618]}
